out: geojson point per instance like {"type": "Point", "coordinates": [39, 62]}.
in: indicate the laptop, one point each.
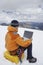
{"type": "Point", "coordinates": [27, 35]}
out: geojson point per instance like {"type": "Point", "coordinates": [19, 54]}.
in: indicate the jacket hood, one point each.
{"type": "Point", "coordinates": [12, 29]}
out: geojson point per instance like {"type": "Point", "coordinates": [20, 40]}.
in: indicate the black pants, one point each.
{"type": "Point", "coordinates": [29, 51]}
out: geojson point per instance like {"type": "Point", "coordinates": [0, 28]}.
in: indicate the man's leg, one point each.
{"type": "Point", "coordinates": [30, 58]}
{"type": "Point", "coordinates": [29, 51]}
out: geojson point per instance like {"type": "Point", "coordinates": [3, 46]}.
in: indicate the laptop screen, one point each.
{"type": "Point", "coordinates": [28, 34]}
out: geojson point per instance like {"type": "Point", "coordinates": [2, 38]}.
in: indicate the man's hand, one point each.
{"type": "Point", "coordinates": [30, 40]}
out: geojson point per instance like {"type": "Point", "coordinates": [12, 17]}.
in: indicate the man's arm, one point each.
{"type": "Point", "coordinates": [23, 43]}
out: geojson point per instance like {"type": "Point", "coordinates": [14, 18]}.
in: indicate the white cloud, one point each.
{"type": "Point", "coordinates": [31, 10]}
{"type": "Point", "coordinates": [20, 4]}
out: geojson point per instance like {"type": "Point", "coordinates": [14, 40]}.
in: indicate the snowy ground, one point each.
{"type": "Point", "coordinates": [37, 47]}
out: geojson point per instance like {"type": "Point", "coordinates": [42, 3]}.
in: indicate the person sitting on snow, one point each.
{"type": "Point", "coordinates": [15, 44]}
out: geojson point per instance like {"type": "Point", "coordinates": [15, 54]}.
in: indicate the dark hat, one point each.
{"type": "Point", "coordinates": [14, 23]}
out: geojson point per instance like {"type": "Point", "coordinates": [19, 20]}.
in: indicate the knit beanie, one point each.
{"type": "Point", "coordinates": [14, 23]}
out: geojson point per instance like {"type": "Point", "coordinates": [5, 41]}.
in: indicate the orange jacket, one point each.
{"type": "Point", "coordinates": [12, 41]}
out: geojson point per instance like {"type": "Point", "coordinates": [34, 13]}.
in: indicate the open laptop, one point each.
{"type": "Point", "coordinates": [27, 35]}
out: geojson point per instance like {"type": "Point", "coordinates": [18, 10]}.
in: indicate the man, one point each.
{"type": "Point", "coordinates": [15, 44]}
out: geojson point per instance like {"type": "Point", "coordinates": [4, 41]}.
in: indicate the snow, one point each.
{"type": "Point", "coordinates": [37, 46]}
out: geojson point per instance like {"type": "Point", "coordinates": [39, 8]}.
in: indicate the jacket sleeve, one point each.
{"type": "Point", "coordinates": [23, 43]}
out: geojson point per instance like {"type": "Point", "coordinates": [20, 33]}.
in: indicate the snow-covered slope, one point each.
{"type": "Point", "coordinates": [37, 46]}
